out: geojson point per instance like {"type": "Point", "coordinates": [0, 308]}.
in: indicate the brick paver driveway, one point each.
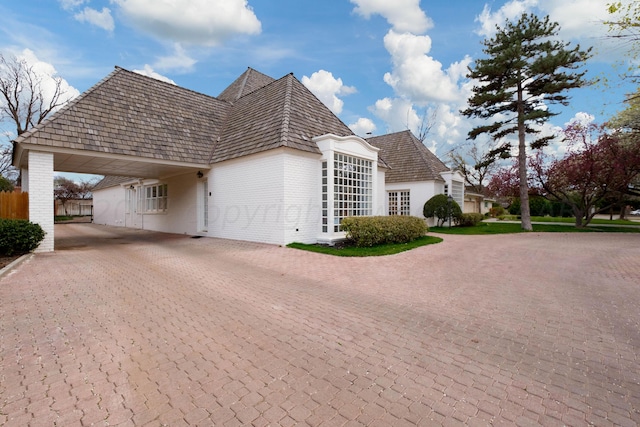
{"type": "Point", "coordinates": [136, 328]}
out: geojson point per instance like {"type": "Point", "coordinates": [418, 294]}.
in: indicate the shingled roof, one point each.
{"type": "Point", "coordinates": [283, 113]}
{"type": "Point", "coordinates": [127, 113]}
{"type": "Point", "coordinates": [248, 81]}
{"type": "Point", "coordinates": [409, 159]}
{"type": "Point", "coordinates": [134, 115]}
{"type": "Point", "coordinates": [112, 181]}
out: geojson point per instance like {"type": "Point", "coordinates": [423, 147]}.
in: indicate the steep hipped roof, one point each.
{"type": "Point", "coordinates": [127, 113]}
{"type": "Point", "coordinates": [248, 81]}
{"type": "Point", "coordinates": [409, 159]}
{"type": "Point", "coordinates": [283, 113]}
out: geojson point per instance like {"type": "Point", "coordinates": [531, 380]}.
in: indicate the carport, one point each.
{"type": "Point", "coordinates": [38, 159]}
{"type": "Point", "coordinates": [122, 126]}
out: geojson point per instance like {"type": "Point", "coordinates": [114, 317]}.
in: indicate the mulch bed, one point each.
{"type": "Point", "coordinates": [6, 260]}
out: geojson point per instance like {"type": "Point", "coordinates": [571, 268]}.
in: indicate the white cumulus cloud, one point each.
{"type": "Point", "coordinates": [179, 60]}
{"type": "Point", "coordinates": [362, 127]}
{"type": "Point", "coordinates": [398, 113]}
{"type": "Point", "coordinates": [101, 19]}
{"type": "Point", "coordinates": [71, 4]}
{"type": "Point", "coordinates": [578, 19]}
{"type": "Point", "coordinates": [48, 75]}
{"type": "Point", "coordinates": [327, 88]}
{"type": "Point", "coordinates": [417, 75]}
{"type": "Point", "coordinates": [403, 15]}
{"type": "Point", "coordinates": [511, 10]}
{"type": "Point", "coordinates": [197, 22]}
{"type": "Point", "coordinates": [149, 72]}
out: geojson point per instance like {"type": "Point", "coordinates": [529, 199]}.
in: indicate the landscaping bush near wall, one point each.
{"type": "Point", "coordinates": [19, 236]}
{"type": "Point", "coordinates": [497, 211]}
{"type": "Point", "coordinates": [469, 219]}
{"type": "Point", "coordinates": [368, 231]}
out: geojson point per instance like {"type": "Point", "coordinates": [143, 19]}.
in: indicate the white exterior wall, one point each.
{"type": "Point", "coordinates": [302, 212]}
{"type": "Point", "coordinates": [109, 206]}
{"type": "Point", "coordinates": [451, 176]}
{"type": "Point", "coordinates": [247, 198]}
{"type": "Point", "coordinates": [419, 193]}
{"type": "Point", "coordinates": [40, 188]}
{"type": "Point", "coordinates": [272, 197]}
{"type": "Point", "coordinates": [181, 215]}
{"type": "Point", "coordinates": [380, 194]}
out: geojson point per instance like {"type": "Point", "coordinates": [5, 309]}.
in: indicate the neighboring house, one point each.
{"type": "Point", "coordinates": [265, 161]}
{"type": "Point", "coordinates": [415, 176]}
{"type": "Point", "coordinates": [476, 202]}
{"type": "Point", "coordinates": [74, 207]}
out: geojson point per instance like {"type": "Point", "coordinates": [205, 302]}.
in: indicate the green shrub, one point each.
{"type": "Point", "coordinates": [469, 219]}
{"type": "Point", "coordinates": [497, 211]}
{"type": "Point", "coordinates": [439, 206]}
{"type": "Point", "coordinates": [6, 184]}
{"type": "Point", "coordinates": [367, 231]}
{"type": "Point", "coordinates": [539, 206]}
{"type": "Point", "coordinates": [514, 207]}
{"type": "Point", "coordinates": [19, 236]}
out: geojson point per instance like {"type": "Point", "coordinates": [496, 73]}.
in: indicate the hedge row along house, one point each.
{"type": "Point", "coordinates": [264, 161]}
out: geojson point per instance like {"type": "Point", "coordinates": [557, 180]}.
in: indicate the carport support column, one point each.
{"type": "Point", "coordinates": [40, 186]}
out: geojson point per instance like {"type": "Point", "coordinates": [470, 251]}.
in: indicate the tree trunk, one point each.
{"type": "Point", "coordinates": [525, 212]}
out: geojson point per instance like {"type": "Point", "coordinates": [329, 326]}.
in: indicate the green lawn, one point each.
{"type": "Point", "coordinates": [352, 251]}
{"type": "Point", "coordinates": [506, 228]}
{"type": "Point", "coordinates": [572, 220]}
{"type": "Point", "coordinates": [496, 227]}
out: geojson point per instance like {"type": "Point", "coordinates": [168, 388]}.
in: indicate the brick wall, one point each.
{"type": "Point", "coordinates": [247, 198]}
{"type": "Point", "coordinates": [302, 213]}
{"type": "Point", "coordinates": [41, 195]}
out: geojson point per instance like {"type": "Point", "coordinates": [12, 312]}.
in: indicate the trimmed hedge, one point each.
{"type": "Point", "coordinates": [441, 207]}
{"type": "Point", "coordinates": [19, 236]}
{"type": "Point", "coordinates": [469, 219]}
{"type": "Point", "coordinates": [367, 231]}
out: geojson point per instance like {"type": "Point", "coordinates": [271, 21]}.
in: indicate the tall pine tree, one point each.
{"type": "Point", "coordinates": [527, 68]}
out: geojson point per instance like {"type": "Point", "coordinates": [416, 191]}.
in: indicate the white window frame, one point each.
{"type": "Point", "coordinates": [399, 202]}
{"type": "Point", "coordinates": [154, 198]}
{"type": "Point", "coordinates": [352, 188]}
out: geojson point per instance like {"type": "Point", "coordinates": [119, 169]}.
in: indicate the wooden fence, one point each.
{"type": "Point", "coordinates": [14, 205]}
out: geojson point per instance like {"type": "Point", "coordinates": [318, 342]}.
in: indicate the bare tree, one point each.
{"type": "Point", "coordinates": [426, 123]}
{"type": "Point", "coordinates": [6, 169]}
{"type": "Point", "coordinates": [472, 165]}
{"type": "Point", "coordinates": [64, 190]}
{"type": "Point", "coordinates": [25, 101]}
{"type": "Point", "coordinates": [22, 95]}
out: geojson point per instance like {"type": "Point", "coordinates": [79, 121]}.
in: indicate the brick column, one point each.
{"type": "Point", "coordinates": [40, 184]}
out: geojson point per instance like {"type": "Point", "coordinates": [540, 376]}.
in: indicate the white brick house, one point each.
{"type": "Point", "coordinates": [264, 161]}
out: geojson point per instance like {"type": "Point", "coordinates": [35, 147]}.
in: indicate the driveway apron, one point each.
{"type": "Point", "coordinates": [133, 328]}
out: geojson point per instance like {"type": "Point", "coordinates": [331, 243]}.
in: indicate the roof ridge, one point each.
{"type": "Point", "coordinates": [244, 83]}
{"type": "Point", "coordinates": [422, 149]}
{"type": "Point", "coordinates": [286, 111]}
{"type": "Point", "coordinates": [170, 85]}
{"type": "Point", "coordinates": [246, 78]}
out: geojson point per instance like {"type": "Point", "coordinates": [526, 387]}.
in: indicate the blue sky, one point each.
{"type": "Point", "coordinates": [380, 65]}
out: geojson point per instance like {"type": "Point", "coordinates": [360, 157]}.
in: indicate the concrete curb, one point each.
{"type": "Point", "coordinates": [6, 270]}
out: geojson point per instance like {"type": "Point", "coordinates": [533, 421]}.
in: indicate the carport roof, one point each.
{"type": "Point", "coordinates": [127, 117]}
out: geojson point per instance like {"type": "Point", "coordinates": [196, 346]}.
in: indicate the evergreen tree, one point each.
{"type": "Point", "coordinates": [527, 68]}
